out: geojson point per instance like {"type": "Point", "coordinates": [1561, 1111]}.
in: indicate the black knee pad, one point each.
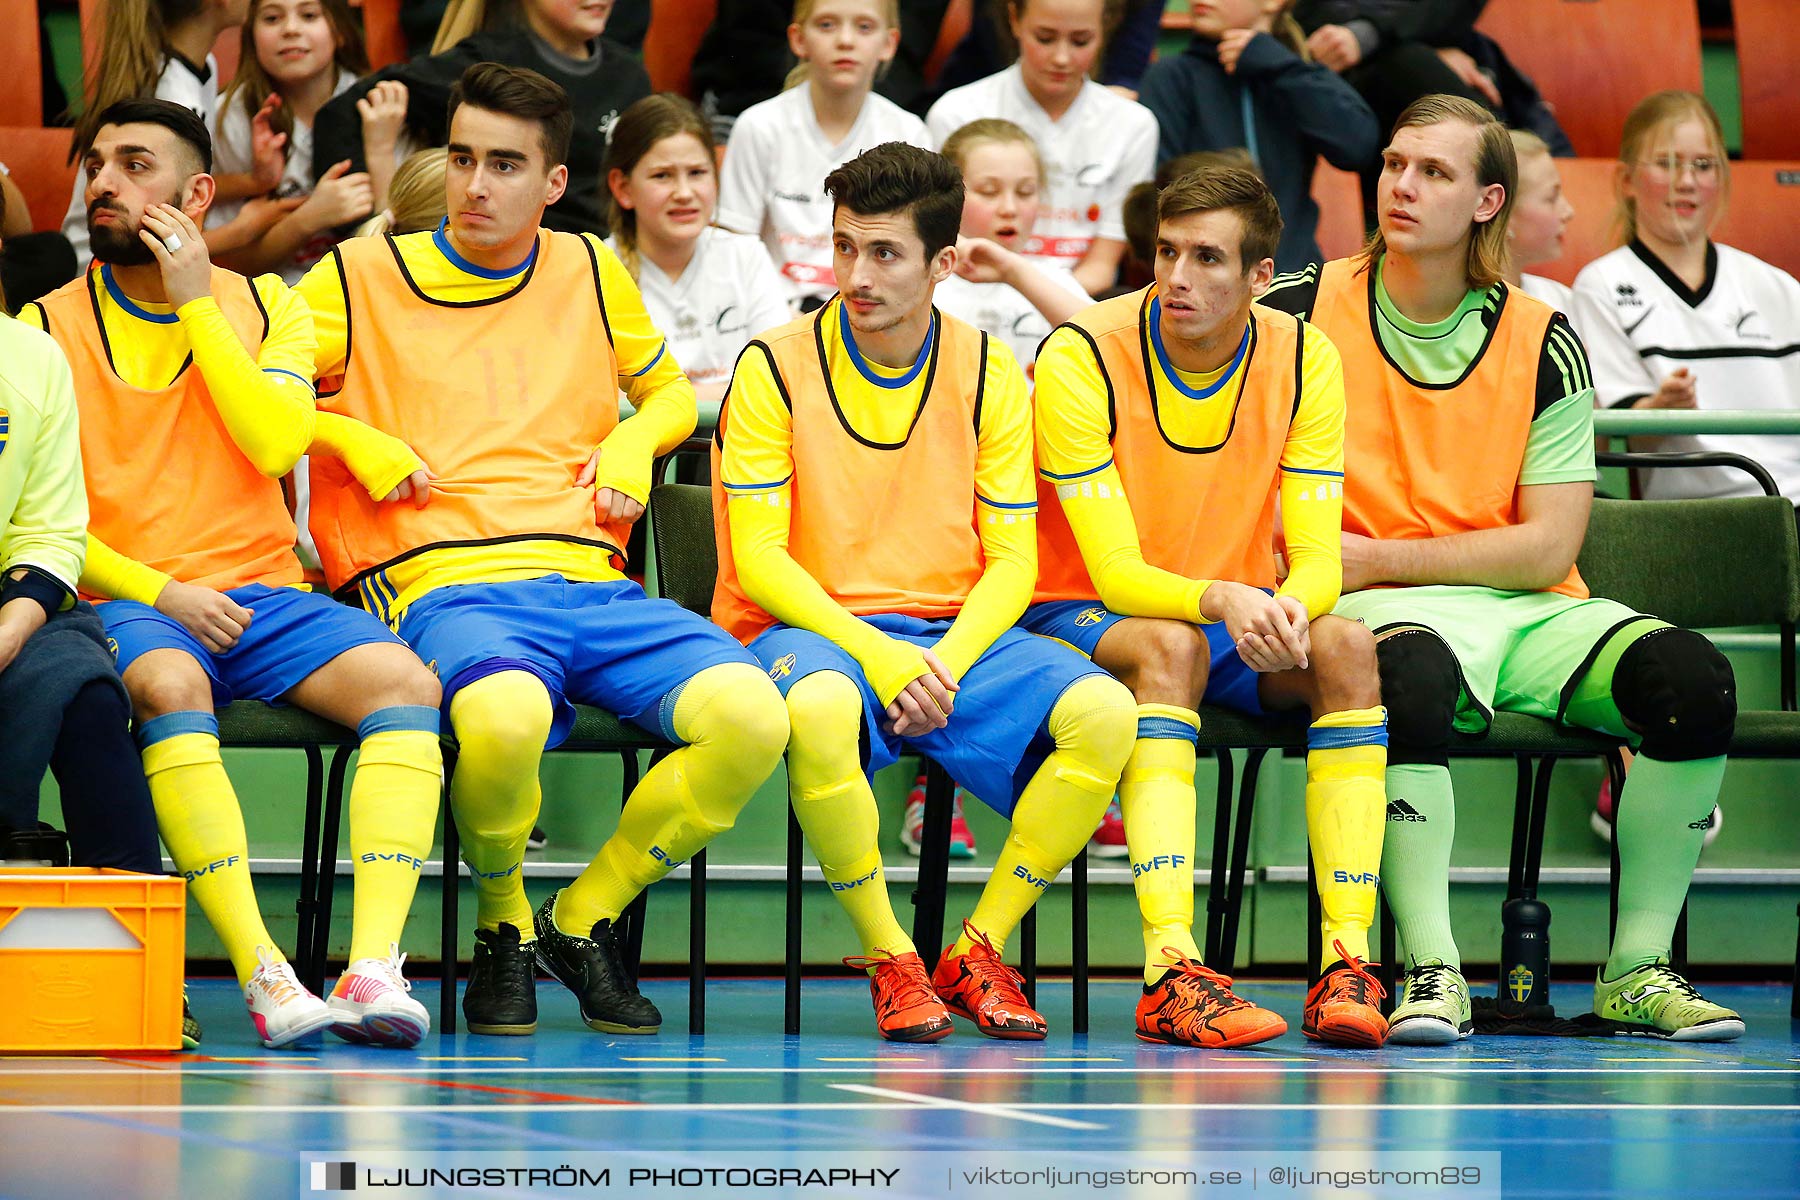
{"type": "Point", "coordinates": [1420, 685]}
{"type": "Point", "coordinates": [1675, 687]}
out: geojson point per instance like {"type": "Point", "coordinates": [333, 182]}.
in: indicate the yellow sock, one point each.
{"type": "Point", "coordinates": [198, 816]}
{"type": "Point", "coordinates": [393, 817]}
{"type": "Point", "coordinates": [1157, 801]}
{"type": "Point", "coordinates": [835, 807]}
{"type": "Point", "coordinates": [501, 723]}
{"type": "Point", "coordinates": [734, 727]}
{"type": "Point", "coordinates": [1057, 811]}
{"type": "Point", "coordinates": [1346, 815]}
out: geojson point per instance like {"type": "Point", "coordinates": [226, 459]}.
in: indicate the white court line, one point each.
{"type": "Point", "coordinates": [1016, 1110]}
{"type": "Point", "coordinates": [1006, 1111]}
{"type": "Point", "coordinates": [278, 1068]}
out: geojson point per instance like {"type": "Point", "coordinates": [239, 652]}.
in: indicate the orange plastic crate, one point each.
{"type": "Point", "coordinates": [90, 960]}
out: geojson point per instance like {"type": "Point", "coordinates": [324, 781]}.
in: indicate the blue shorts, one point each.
{"type": "Point", "coordinates": [606, 644]}
{"type": "Point", "coordinates": [1230, 683]}
{"type": "Point", "coordinates": [291, 634]}
{"type": "Point", "coordinates": [997, 738]}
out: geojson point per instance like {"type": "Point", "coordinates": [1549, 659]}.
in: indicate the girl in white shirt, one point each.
{"type": "Point", "coordinates": [1095, 143]}
{"type": "Point", "coordinates": [996, 287]}
{"type": "Point", "coordinates": [708, 290]}
{"type": "Point", "coordinates": [782, 149]}
{"type": "Point", "coordinates": [1540, 217]}
{"type": "Point", "coordinates": [157, 49]}
{"type": "Point", "coordinates": [296, 55]}
{"type": "Point", "coordinates": [1673, 320]}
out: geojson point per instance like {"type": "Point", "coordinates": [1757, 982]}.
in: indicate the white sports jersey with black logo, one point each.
{"type": "Point", "coordinates": [728, 293]}
{"type": "Point", "coordinates": [773, 184]}
{"type": "Point", "coordinates": [1003, 311]}
{"type": "Point", "coordinates": [1738, 334]}
{"type": "Point", "coordinates": [1092, 155]}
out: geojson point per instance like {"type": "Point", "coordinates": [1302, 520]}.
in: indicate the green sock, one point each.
{"type": "Point", "coordinates": [1415, 859]}
{"type": "Point", "coordinates": [1660, 828]}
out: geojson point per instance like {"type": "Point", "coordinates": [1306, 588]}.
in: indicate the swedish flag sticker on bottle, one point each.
{"type": "Point", "coordinates": [1518, 983]}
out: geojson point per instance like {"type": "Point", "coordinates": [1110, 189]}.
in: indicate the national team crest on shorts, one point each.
{"type": "Point", "coordinates": [1518, 983]}
{"type": "Point", "coordinates": [5, 428]}
{"type": "Point", "coordinates": [1090, 616]}
{"type": "Point", "coordinates": [784, 666]}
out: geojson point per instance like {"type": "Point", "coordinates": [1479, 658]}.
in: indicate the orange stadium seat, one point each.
{"type": "Point", "coordinates": [22, 103]}
{"type": "Point", "coordinates": [1763, 217]}
{"type": "Point", "coordinates": [385, 39]}
{"type": "Point", "coordinates": [39, 161]}
{"type": "Point", "coordinates": [1768, 46]}
{"type": "Point", "coordinates": [676, 27]}
{"type": "Point", "coordinates": [1595, 59]}
{"type": "Point", "coordinates": [1339, 197]}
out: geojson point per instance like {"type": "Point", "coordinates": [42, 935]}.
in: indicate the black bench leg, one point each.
{"type": "Point", "coordinates": [697, 943]}
{"type": "Point", "coordinates": [633, 916]}
{"type": "Point", "coordinates": [1078, 942]}
{"type": "Point", "coordinates": [1217, 902]}
{"type": "Point", "coordinates": [1240, 859]}
{"type": "Point", "coordinates": [1523, 767]}
{"type": "Point", "coordinates": [447, 930]}
{"type": "Point", "coordinates": [328, 847]}
{"type": "Point", "coordinates": [796, 899]}
{"type": "Point", "coordinates": [1388, 950]}
{"type": "Point", "coordinates": [930, 894]}
{"type": "Point", "coordinates": [306, 906]}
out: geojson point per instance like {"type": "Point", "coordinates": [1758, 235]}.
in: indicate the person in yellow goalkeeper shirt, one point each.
{"type": "Point", "coordinates": [479, 369]}
{"type": "Point", "coordinates": [192, 384]}
{"type": "Point", "coordinates": [877, 543]}
{"type": "Point", "coordinates": [1177, 426]}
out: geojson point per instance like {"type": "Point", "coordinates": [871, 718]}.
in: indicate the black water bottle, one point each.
{"type": "Point", "coordinates": [1524, 953]}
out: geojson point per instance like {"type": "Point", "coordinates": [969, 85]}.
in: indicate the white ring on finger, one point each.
{"type": "Point", "coordinates": [172, 243]}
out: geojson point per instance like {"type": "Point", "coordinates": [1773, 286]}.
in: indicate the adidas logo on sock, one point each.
{"type": "Point", "coordinates": [1400, 810]}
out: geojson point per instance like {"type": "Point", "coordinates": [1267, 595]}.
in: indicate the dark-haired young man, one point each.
{"type": "Point", "coordinates": [1470, 442]}
{"type": "Point", "coordinates": [193, 384]}
{"type": "Point", "coordinates": [492, 350]}
{"type": "Point", "coordinates": [877, 543]}
{"type": "Point", "coordinates": [1171, 423]}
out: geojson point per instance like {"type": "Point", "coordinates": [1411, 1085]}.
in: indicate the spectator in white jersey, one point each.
{"type": "Point", "coordinates": [1673, 320]}
{"type": "Point", "coordinates": [1013, 296]}
{"type": "Point", "coordinates": [1095, 143]}
{"type": "Point", "coordinates": [709, 290]}
{"type": "Point", "coordinates": [782, 149]}
{"type": "Point", "coordinates": [1540, 217]}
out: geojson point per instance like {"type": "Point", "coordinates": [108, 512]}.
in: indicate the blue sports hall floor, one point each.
{"type": "Point", "coordinates": [1568, 1117]}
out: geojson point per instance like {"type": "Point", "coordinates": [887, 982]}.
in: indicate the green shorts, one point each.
{"type": "Point", "coordinates": [1518, 652]}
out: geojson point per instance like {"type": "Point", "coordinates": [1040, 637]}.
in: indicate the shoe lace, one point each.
{"type": "Point", "coordinates": [1426, 982]}
{"type": "Point", "coordinates": [390, 967]}
{"type": "Point", "coordinates": [1355, 972]}
{"type": "Point", "coordinates": [989, 968]}
{"type": "Point", "coordinates": [276, 979]}
{"type": "Point", "coordinates": [1676, 983]}
{"type": "Point", "coordinates": [1195, 977]}
{"type": "Point", "coordinates": [901, 987]}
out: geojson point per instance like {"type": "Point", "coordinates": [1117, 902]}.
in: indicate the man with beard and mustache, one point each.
{"type": "Point", "coordinates": [193, 389]}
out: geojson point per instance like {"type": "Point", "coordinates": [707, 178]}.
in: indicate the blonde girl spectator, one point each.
{"type": "Point", "coordinates": [782, 149]}
{"type": "Point", "coordinates": [1540, 217]}
{"type": "Point", "coordinates": [1672, 319]}
{"type": "Point", "coordinates": [1095, 143]}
